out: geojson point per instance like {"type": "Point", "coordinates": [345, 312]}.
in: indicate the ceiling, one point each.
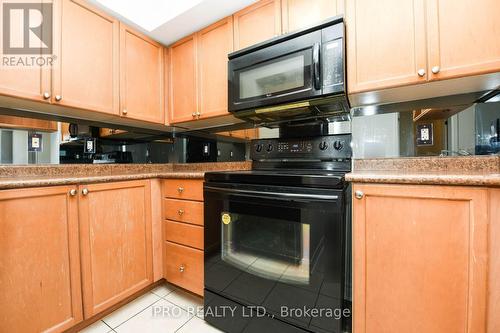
{"type": "Point", "coordinates": [169, 20]}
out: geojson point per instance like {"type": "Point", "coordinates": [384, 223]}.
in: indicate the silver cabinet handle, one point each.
{"type": "Point", "coordinates": [435, 69]}
{"type": "Point", "coordinates": [359, 195]}
{"type": "Point", "coordinates": [421, 72]}
{"type": "Point", "coordinates": [73, 192]}
{"type": "Point", "coordinates": [181, 268]}
{"type": "Point", "coordinates": [124, 111]}
{"type": "Point", "coordinates": [46, 95]}
{"type": "Point", "coordinates": [180, 212]}
{"type": "Point", "coordinates": [58, 98]}
{"type": "Point", "coordinates": [85, 191]}
{"type": "Point", "coordinates": [180, 189]}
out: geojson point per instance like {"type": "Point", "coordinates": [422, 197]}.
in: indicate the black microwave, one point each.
{"type": "Point", "coordinates": [298, 75]}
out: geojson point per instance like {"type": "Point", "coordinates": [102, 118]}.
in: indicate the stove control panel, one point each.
{"type": "Point", "coordinates": [328, 147]}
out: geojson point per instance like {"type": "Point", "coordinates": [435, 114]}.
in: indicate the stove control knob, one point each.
{"type": "Point", "coordinates": [338, 145]}
{"type": "Point", "coordinates": [323, 145]}
{"type": "Point", "coordinates": [258, 148]}
{"type": "Point", "coordinates": [269, 147]}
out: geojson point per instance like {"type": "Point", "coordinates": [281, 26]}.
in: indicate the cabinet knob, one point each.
{"type": "Point", "coordinates": [180, 189]}
{"type": "Point", "coordinates": [198, 114]}
{"type": "Point", "coordinates": [124, 111]}
{"type": "Point", "coordinates": [181, 268]}
{"type": "Point", "coordinates": [193, 114]}
{"type": "Point", "coordinates": [435, 69]}
{"type": "Point", "coordinates": [46, 95]}
{"type": "Point", "coordinates": [180, 212]}
{"type": "Point", "coordinates": [421, 72]}
{"type": "Point", "coordinates": [359, 194]}
{"type": "Point", "coordinates": [85, 191]}
{"type": "Point", "coordinates": [72, 192]}
{"type": "Point", "coordinates": [58, 98]}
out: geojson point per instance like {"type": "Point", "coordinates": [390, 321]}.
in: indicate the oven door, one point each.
{"type": "Point", "coordinates": [278, 248]}
{"type": "Point", "coordinates": [284, 72]}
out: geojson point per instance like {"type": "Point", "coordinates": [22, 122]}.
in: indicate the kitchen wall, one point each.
{"type": "Point", "coordinates": [14, 148]}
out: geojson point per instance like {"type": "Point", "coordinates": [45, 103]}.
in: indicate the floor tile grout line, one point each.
{"type": "Point", "coordinates": [177, 330]}
{"type": "Point", "coordinates": [138, 312]}
{"type": "Point", "coordinates": [111, 328]}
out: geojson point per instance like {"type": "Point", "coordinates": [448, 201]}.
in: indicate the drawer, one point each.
{"type": "Point", "coordinates": [183, 211]}
{"type": "Point", "coordinates": [187, 189]}
{"type": "Point", "coordinates": [184, 267]}
{"type": "Point", "coordinates": [185, 234]}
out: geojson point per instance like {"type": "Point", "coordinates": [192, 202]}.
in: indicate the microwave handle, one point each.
{"type": "Point", "coordinates": [316, 68]}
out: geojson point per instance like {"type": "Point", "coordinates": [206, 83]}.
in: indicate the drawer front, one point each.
{"type": "Point", "coordinates": [185, 234]}
{"type": "Point", "coordinates": [187, 189]}
{"type": "Point", "coordinates": [183, 211]}
{"type": "Point", "coordinates": [184, 267]}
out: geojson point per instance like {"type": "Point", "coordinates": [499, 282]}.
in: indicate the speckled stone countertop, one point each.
{"type": "Point", "coordinates": [466, 170]}
{"type": "Point", "coordinates": [51, 175]}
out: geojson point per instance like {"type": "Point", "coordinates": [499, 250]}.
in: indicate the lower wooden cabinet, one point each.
{"type": "Point", "coordinates": [39, 260]}
{"type": "Point", "coordinates": [420, 259]}
{"type": "Point", "coordinates": [184, 267]}
{"type": "Point", "coordinates": [494, 263]}
{"type": "Point", "coordinates": [116, 245]}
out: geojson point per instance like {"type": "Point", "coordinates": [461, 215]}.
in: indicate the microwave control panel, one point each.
{"type": "Point", "coordinates": [329, 147]}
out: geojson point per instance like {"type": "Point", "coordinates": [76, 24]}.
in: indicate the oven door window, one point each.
{"type": "Point", "coordinates": [280, 76]}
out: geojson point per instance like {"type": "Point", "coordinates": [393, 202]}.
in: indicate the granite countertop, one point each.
{"type": "Point", "coordinates": [51, 175]}
{"type": "Point", "coordinates": [466, 170]}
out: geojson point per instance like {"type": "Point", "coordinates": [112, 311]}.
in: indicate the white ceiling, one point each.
{"type": "Point", "coordinates": [169, 20]}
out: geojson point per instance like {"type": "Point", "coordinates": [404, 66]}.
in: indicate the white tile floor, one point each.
{"type": "Point", "coordinates": [164, 309]}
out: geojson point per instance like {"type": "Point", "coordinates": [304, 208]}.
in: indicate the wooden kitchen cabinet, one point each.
{"type": "Point", "coordinates": [463, 38]}
{"type": "Point", "coordinates": [87, 74]}
{"type": "Point", "coordinates": [116, 244]}
{"type": "Point", "coordinates": [28, 83]}
{"type": "Point", "coordinates": [183, 80]}
{"type": "Point", "coordinates": [39, 260]}
{"type": "Point", "coordinates": [299, 14]}
{"type": "Point", "coordinates": [386, 44]}
{"type": "Point", "coordinates": [214, 44]}
{"type": "Point", "coordinates": [27, 123]}
{"type": "Point", "coordinates": [494, 263]}
{"type": "Point", "coordinates": [257, 23]}
{"type": "Point", "coordinates": [141, 77]}
{"type": "Point", "coordinates": [419, 259]}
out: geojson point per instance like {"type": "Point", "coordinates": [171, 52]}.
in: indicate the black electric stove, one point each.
{"type": "Point", "coordinates": [277, 239]}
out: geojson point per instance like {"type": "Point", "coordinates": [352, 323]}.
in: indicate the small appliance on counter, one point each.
{"type": "Point", "coordinates": [299, 75]}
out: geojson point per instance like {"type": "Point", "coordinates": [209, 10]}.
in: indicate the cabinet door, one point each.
{"type": "Point", "coordinates": [420, 256]}
{"type": "Point", "coordinates": [257, 23]}
{"type": "Point", "coordinates": [463, 37]}
{"type": "Point", "coordinates": [39, 260]}
{"type": "Point", "coordinates": [214, 44]}
{"type": "Point", "coordinates": [87, 76]}
{"type": "Point", "coordinates": [141, 77]}
{"type": "Point", "coordinates": [386, 44]}
{"type": "Point", "coordinates": [183, 80]}
{"type": "Point", "coordinates": [116, 248]}
{"type": "Point", "coordinates": [494, 263]}
{"type": "Point", "coordinates": [299, 14]}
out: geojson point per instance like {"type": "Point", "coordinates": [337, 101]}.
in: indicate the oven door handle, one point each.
{"type": "Point", "coordinates": [316, 67]}
{"type": "Point", "coordinates": [278, 194]}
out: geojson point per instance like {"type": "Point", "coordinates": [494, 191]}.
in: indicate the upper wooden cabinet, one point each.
{"type": "Point", "coordinates": [423, 251]}
{"type": "Point", "coordinates": [29, 83]}
{"type": "Point", "coordinates": [460, 49]}
{"type": "Point", "coordinates": [183, 80]}
{"type": "Point", "coordinates": [87, 74]}
{"type": "Point", "coordinates": [299, 14]}
{"type": "Point", "coordinates": [28, 123]}
{"type": "Point", "coordinates": [214, 44]}
{"type": "Point", "coordinates": [39, 260]}
{"type": "Point", "coordinates": [141, 77]}
{"type": "Point", "coordinates": [116, 245]}
{"type": "Point", "coordinates": [385, 44]}
{"type": "Point", "coordinates": [257, 23]}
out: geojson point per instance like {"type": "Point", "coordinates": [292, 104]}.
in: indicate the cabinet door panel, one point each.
{"type": "Point", "coordinates": [299, 14]}
{"type": "Point", "coordinates": [214, 44]}
{"type": "Point", "coordinates": [39, 260]}
{"type": "Point", "coordinates": [257, 23]}
{"type": "Point", "coordinates": [141, 77]}
{"type": "Point", "coordinates": [386, 44]}
{"type": "Point", "coordinates": [494, 263]}
{"type": "Point", "coordinates": [423, 251]}
{"type": "Point", "coordinates": [115, 222]}
{"type": "Point", "coordinates": [87, 76]}
{"type": "Point", "coordinates": [183, 80]}
{"type": "Point", "coordinates": [463, 37]}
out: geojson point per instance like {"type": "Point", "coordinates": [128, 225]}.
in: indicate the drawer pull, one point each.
{"type": "Point", "coordinates": [180, 189]}
{"type": "Point", "coordinates": [180, 212]}
{"type": "Point", "coordinates": [359, 195]}
{"type": "Point", "coordinates": [181, 269]}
